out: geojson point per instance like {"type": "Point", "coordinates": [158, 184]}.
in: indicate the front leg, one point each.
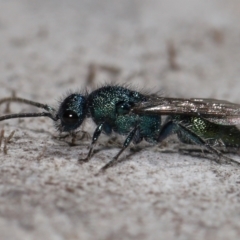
{"type": "Point", "coordinates": [126, 143]}
{"type": "Point", "coordinates": [96, 135]}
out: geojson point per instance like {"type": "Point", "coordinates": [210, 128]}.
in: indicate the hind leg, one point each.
{"type": "Point", "coordinates": [186, 135]}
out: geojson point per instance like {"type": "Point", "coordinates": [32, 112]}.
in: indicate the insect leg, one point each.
{"type": "Point", "coordinates": [126, 143]}
{"type": "Point", "coordinates": [96, 135]}
{"type": "Point", "coordinates": [193, 137]}
{"type": "Point", "coordinates": [167, 129]}
{"type": "Point", "coordinates": [171, 127]}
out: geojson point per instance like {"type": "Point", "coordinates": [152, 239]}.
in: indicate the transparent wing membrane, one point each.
{"type": "Point", "coordinates": [216, 111]}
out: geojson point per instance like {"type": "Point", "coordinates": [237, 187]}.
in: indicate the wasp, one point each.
{"type": "Point", "coordinates": [205, 122]}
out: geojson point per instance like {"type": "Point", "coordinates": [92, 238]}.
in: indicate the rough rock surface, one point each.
{"type": "Point", "coordinates": [187, 48]}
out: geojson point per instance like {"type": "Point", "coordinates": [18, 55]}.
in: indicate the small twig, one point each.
{"type": "Point", "coordinates": [172, 55]}
{"type": "Point", "coordinates": [6, 141]}
{"type": "Point", "coordinates": [1, 138]}
{"type": "Point", "coordinates": [7, 109]}
{"type": "Point", "coordinates": [92, 69]}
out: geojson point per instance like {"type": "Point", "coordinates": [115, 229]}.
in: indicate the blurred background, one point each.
{"type": "Point", "coordinates": [184, 48]}
{"type": "Point", "coordinates": [187, 48]}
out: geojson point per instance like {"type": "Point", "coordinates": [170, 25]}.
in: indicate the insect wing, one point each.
{"type": "Point", "coordinates": [216, 111]}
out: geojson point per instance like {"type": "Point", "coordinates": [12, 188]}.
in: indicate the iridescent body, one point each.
{"type": "Point", "coordinates": [205, 122]}
{"type": "Point", "coordinates": [111, 105]}
{"type": "Point", "coordinates": [109, 108]}
{"type": "Point", "coordinates": [215, 134]}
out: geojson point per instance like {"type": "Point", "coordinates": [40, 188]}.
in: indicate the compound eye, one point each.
{"type": "Point", "coordinates": [70, 117]}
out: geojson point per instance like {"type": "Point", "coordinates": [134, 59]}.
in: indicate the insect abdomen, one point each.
{"type": "Point", "coordinates": [213, 133]}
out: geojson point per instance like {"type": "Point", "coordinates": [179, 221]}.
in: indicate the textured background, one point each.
{"type": "Point", "coordinates": [187, 48]}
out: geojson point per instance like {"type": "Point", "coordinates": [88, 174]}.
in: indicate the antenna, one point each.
{"type": "Point", "coordinates": [50, 111]}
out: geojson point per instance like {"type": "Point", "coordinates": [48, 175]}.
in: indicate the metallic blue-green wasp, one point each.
{"type": "Point", "coordinates": [205, 122]}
